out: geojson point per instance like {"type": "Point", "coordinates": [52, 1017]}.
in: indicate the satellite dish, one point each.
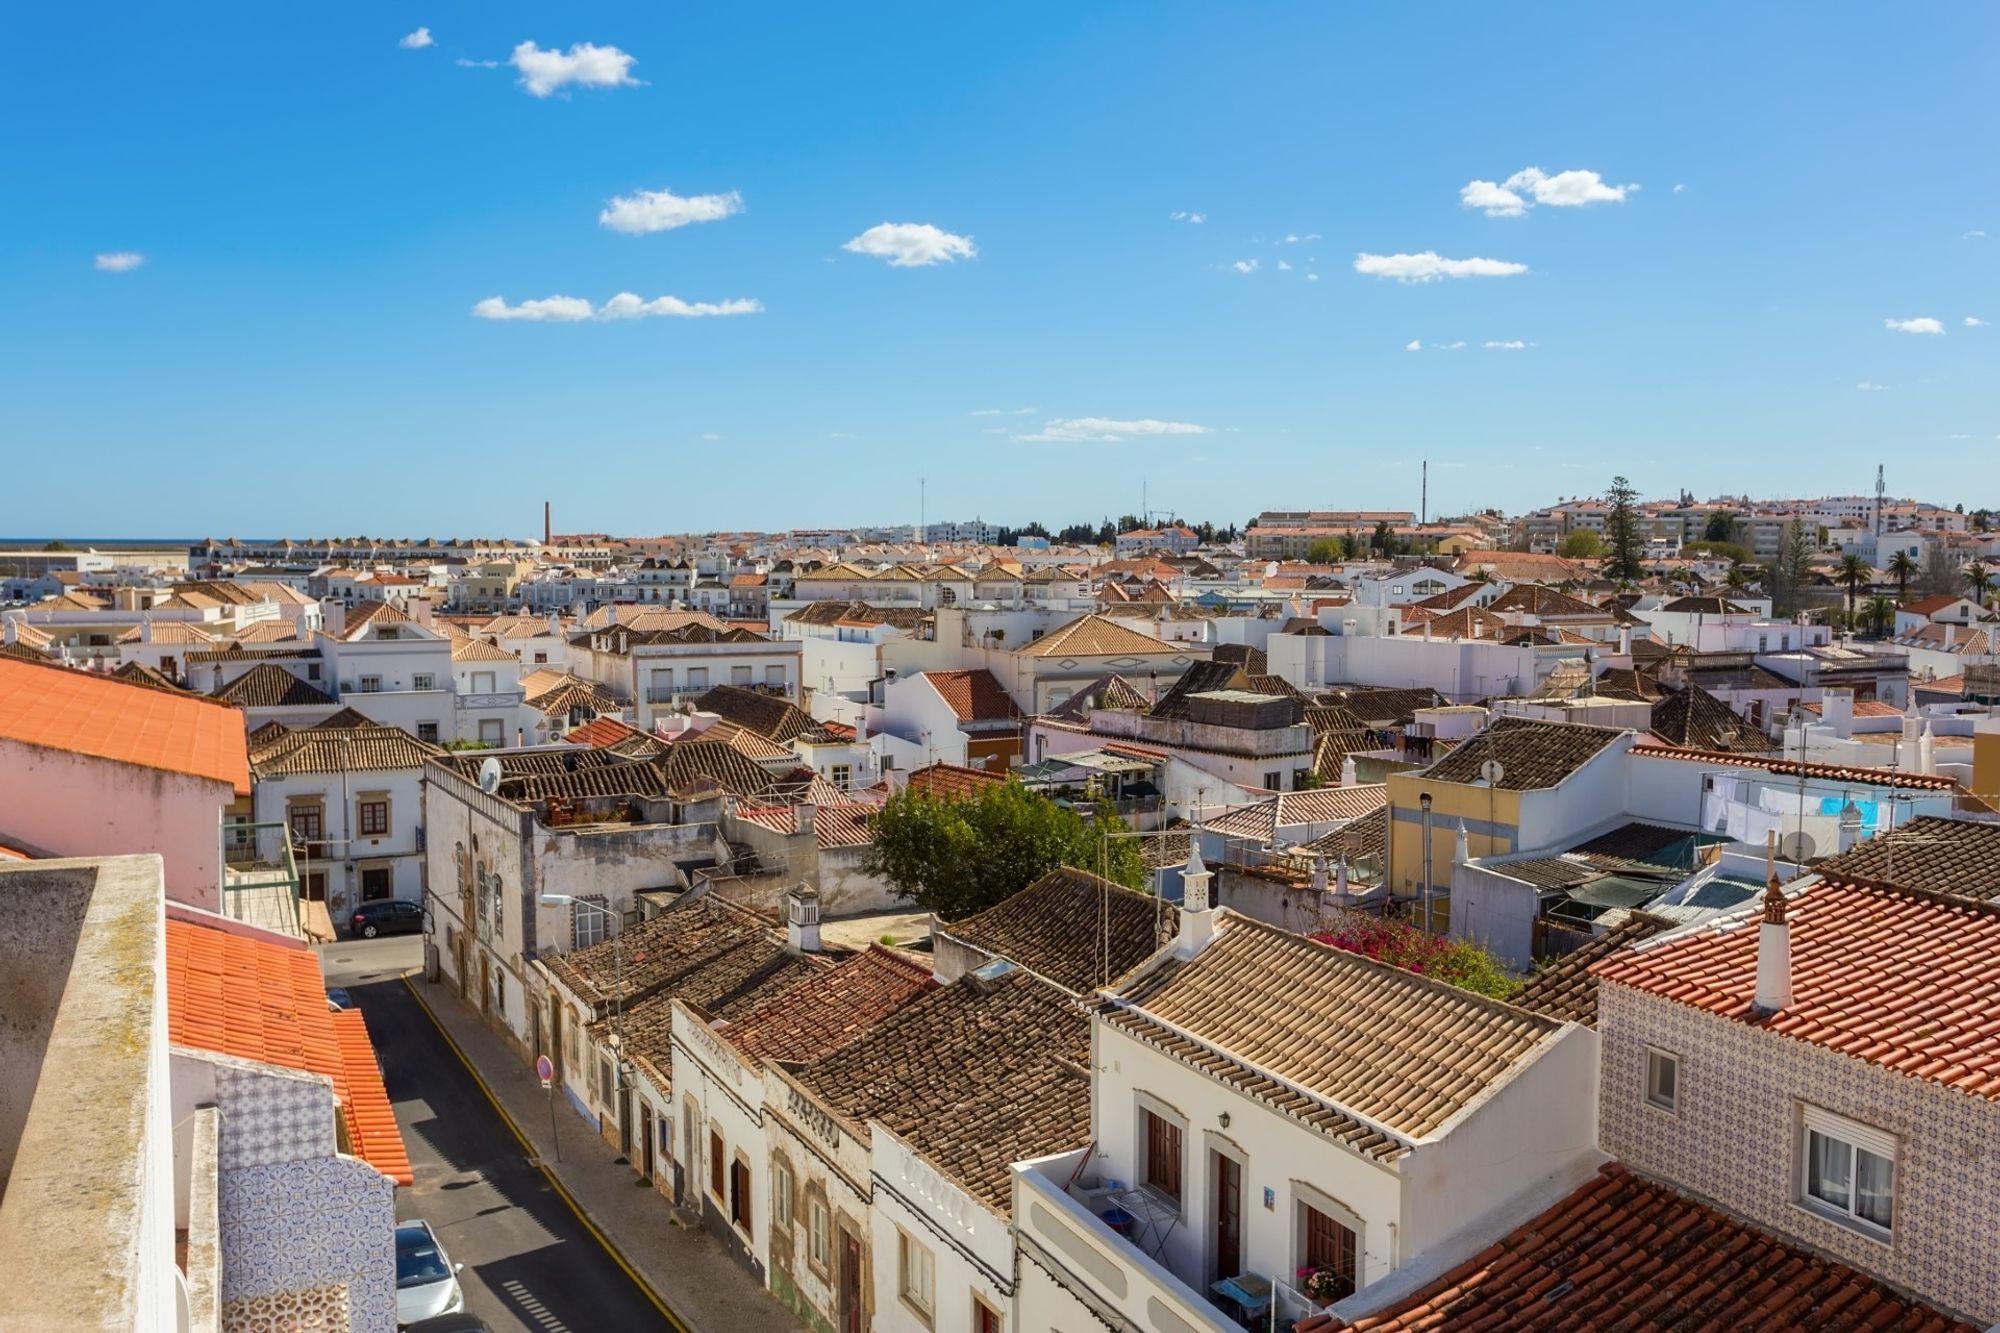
{"type": "Point", "coordinates": [1798, 848]}
{"type": "Point", "coordinates": [489, 776]}
{"type": "Point", "coordinates": [1492, 771]}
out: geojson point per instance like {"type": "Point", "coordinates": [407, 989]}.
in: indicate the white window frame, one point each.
{"type": "Point", "coordinates": [819, 1232]}
{"type": "Point", "coordinates": [781, 1196]}
{"type": "Point", "coordinates": [1857, 1138]}
{"type": "Point", "coordinates": [587, 927]}
{"type": "Point", "coordinates": [423, 680]}
{"type": "Point", "coordinates": [1670, 1100]}
{"type": "Point", "coordinates": [916, 1275]}
{"type": "Point", "coordinates": [371, 685]}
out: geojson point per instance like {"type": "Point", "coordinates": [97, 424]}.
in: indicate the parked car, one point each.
{"type": "Point", "coordinates": [426, 1281]}
{"type": "Point", "coordinates": [450, 1323]}
{"type": "Point", "coordinates": [393, 916]}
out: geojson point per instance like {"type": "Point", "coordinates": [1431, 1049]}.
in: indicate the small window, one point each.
{"type": "Point", "coordinates": [917, 1274]}
{"type": "Point", "coordinates": [841, 775]}
{"type": "Point", "coordinates": [427, 732]}
{"type": "Point", "coordinates": [717, 1166]}
{"type": "Point", "coordinates": [423, 680]}
{"type": "Point", "coordinates": [492, 731]}
{"type": "Point", "coordinates": [1274, 781]}
{"type": "Point", "coordinates": [1329, 1255]}
{"type": "Point", "coordinates": [819, 1232]}
{"type": "Point", "coordinates": [1663, 1080]}
{"type": "Point", "coordinates": [587, 927]}
{"type": "Point", "coordinates": [739, 675]}
{"type": "Point", "coordinates": [371, 684]}
{"type": "Point", "coordinates": [541, 658]}
{"type": "Point", "coordinates": [774, 676]}
{"type": "Point", "coordinates": [1848, 1171]}
{"type": "Point", "coordinates": [1163, 1155]}
{"type": "Point", "coordinates": [986, 1319]}
{"type": "Point", "coordinates": [308, 822]}
{"type": "Point", "coordinates": [739, 1194]}
{"type": "Point", "coordinates": [781, 1196]}
{"type": "Point", "coordinates": [373, 817]}
{"type": "Point", "coordinates": [312, 671]}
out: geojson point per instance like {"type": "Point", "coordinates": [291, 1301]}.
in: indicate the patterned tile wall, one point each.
{"type": "Point", "coordinates": [1733, 1140]}
{"type": "Point", "coordinates": [299, 1226]}
{"type": "Point", "coordinates": [272, 1116]}
{"type": "Point", "coordinates": [313, 1310]}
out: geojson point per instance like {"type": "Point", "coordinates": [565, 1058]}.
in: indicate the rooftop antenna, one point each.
{"type": "Point", "coordinates": [922, 496]}
{"type": "Point", "coordinates": [1424, 496]}
{"type": "Point", "coordinates": [1879, 492]}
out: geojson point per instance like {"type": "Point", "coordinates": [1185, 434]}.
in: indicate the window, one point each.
{"type": "Point", "coordinates": [308, 822]}
{"type": "Point", "coordinates": [717, 1166]}
{"type": "Point", "coordinates": [312, 671]}
{"type": "Point", "coordinates": [585, 926]}
{"type": "Point", "coordinates": [1330, 1246]}
{"type": "Point", "coordinates": [1274, 782]}
{"type": "Point", "coordinates": [607, 1078]}
{"type": "Point", "coordinates": [739, 675]}
{"type": "Point", "coordinates": [739, 1194]}
{"type": "Point", "coordinates": [423, 680]}
{"type": "Point", "coordinates": [985, 1319]}
{"type": "Point", "coordinates": [1163, 1155]}
{"type": "Point", "coordinates": [377, 883]}
{"type": "Point", "coordinates": [371, 684]}
{"type": "Point", "coordinates": [819, 1232]}
{"type": "Point", "coordinates": [774, 676]}
{"type": "Point", "coordinates": [492, 731]}
{"type": "Point", "coordinates": [916, 1271]}
{"type": "Point", "coordinates": [697, 678]}
{"type": "Point", "coordinates": [427, 732]}
{"type": "Point", "coordinates": [842, 775]}
{"type": "Point", "coordinates": [781, 1196]}
{"type": "Point", "coordinates": [371, 814]}
{"type": "Point", "coordinates": [541, 658]}
{"type": "Point", "coordinates": [483, 682]}
{"type": "Point", "coordinates": [1848, 1171]}
{"type": "Point", "coordinates": [1663, 1080]}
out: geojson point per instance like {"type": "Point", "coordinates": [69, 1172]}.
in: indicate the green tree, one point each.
{"type": "Point", "coordinates": [958, 857]}
{"type": "Point", "coordinates": [1325, 551]}
{"type": "Point", "coordinates": [1979, 580]}
{"type": "Point", "coordinates": [1852, 573]}
{"type": "Point", "coordinates": [1879, 615]}
{"type": "Point", "coordinates": [1903, 568]}
{"type": "Point", "coordinates": [1383, 539]}
{"type": "Point", "coordinates": [1738, 577]}
{"type": "Point", "coordinates": [1940, 573]}
{"type": "Point", "coordinates": [57, 545]}
{"type": "Point", "coordinates": [1786, 578]}
{"type": "Point", "coordinates": [1721, 527]}
{"type": "Point", "coordinates": [1621, 531]}
{"type": "Point", "coordinates": [1583, 544]}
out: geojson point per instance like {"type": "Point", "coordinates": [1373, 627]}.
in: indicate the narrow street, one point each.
{"type": "Point", "coordinates": [530, 1264]}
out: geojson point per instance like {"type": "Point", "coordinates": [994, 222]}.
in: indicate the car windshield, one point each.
{"type": "Point", "coordinates": [418, 1258]}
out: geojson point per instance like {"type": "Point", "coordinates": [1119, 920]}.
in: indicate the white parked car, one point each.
{"type": "Point", "coordinates": [426, 1281]}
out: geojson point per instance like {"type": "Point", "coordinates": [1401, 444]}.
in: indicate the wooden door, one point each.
{"type": "Point", "coordinates": [1228, 1216]}
{"type": "Point", "coordinates": [646, 1160]}
{"type": "Point", "coordinates": [850, 1284]}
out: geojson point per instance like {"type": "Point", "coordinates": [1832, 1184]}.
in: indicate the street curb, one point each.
{"type": "Point", "coordinates": [534, 1155]}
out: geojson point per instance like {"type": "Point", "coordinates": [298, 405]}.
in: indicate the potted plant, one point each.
{"type": "Point", "coordinates": [1321, 1285]}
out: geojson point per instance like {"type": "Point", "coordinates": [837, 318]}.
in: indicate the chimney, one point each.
{"type": "Point", "coordinates": [1836, 709]}
{"type": "Point", "coordinates": [547, 523]}
{"type": "Point", "coordinates": [1624, 640]}
{"type": "Point", "coordinates": [420, 610]}
{"type": "Point", "coordinates": [11, 633]}
{"type": "Point", "coordinates": [1463, 852]}
{"type": "Point", "coordinates": [807, 816]}
{"type": "Point", "coordinates": [1850, 826]}
{"type": "Point", "coordinates": [1774, 941]}
{"type": "Point", "coordinates": [802, 919]}
{"type": "Point", "coordinates": [1926, 750]}
{"type": "Point", "coordinates": [611, 613]}
{"type": "Point", "coordinates": [1197, 917]}
{"type": "Point", "coordinates": [146, 630]}
{"type": "Point", "coordinates": [1319, 876]}
{"type": "Point", "coordinates": [1350, 773]}
{"type": "Point", "coordinates": [1341, 893]}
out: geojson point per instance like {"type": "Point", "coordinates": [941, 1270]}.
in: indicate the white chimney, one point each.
{"type": "Point", "coordinates": [1850, 826]}
{"type": "Point", "coordinates": [1350, 775]}
{"type": "Point", "coordinates": [1624, 640]}
{"type": "Point", "coordinates": [1197, 917]}
{"type": "Point", "coordinates": [1774, 941]}
{"type": "Point", "coordinates": [1836, 709]}
{"type": "Point", "coordinates": [1341, 893]}
{"type": "Point", "coordinates": [1926, 750]}
{"type": "Point", "coordinates": [806, 815]}
{"type": "Point", "coordinates": [802, 919]}
{"type": "Point", "coordinates": [1319, 875]}
{"type": "Point", "coordinates": [1463, 852]}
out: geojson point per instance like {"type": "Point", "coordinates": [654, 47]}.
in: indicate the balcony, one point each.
{"type": "Point", "coordinates": [260, 876]}
{"type": "Point", "coordinates": [493, 699]}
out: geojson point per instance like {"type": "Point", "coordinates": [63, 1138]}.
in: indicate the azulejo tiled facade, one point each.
{"type": "Point", "coordinates": [1733, 1139]}
{"type": "Point", "coordinates": [272, 1115]}
{"type": "Point", "coordinates": [311, 1310]}
{"type": "Point", "coordinates": [293, 1228]}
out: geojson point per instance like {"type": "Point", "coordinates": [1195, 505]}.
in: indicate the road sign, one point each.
{"type": "Point", "coordinates": [545, 1070]}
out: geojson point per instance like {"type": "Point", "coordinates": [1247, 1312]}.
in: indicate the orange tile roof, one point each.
{"type": "Point", "coordinates": [60, 709]}
{"type": "Point", "coordinates": [600, 732]}
{"type": "Point", "coordinates": [256, 1000]}
{"type": "Point", "coordinates": [1898, 977]}
{"type": "Point", "coordinates": [975, 696]}
{"type": "Point", "coordinates": [952, 781]}
{"type": "Point", "coordinates": [1879, 777]}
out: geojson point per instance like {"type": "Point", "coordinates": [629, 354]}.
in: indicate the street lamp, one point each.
{"type": "Point", "coordinates": [618, 980]}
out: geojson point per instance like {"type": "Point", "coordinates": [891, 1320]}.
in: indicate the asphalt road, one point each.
{"type": "Point", "coordinates": [529, 1263]}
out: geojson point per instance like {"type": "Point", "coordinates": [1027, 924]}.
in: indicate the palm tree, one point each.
{"type": "Point", "coordinates": [1852, 572]}
{"type": "Point", "coordinates": [1904, 566]}
{"type": "Point", "coordinates": [1738, 578]}
{"type": "Point", "coordinates": [1980, 580]}
{"type": "Point", "coordinates": [1880, 614]}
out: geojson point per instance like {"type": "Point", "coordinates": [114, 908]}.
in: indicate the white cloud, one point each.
{"type": "Point", "coordinates": [1458, 346]}
{"type": "Point", "coordinates": [119, 261]}
{"type": "Point", "coordinates": [1245, 266]}
{"type": "Point", "coordinates": [1961, 437]}
{"type": "Point", "coordinates": [1870, 386]}
{"type": "Point", "coordinates": [417, 40]}
{"type": "Point", "coordinates": [1182, 215]}
{"type": "Point", "coordinates": [1976, 234]}
{"type": "Point", "coordinates": [1414, 345]}
{"type": "Point", "coordinates": [1678, 188]}
{"type": "Point", "coordinates": [710, 435]}
{"type": "Point", "coordinates": [1006, 411]}
{"type": "Point", "coordinates": [1974, 322]}
{"type": "Point", "coordinates": [1072, 429]}
{"type": "Point", "coordinates": [1429, 266]}
{"type": "Point", "coordinates": [1921, 324]}
{"type": "Point", "coordinates": [1504, 345]}
{"type": "Point", "coordinates": [840, 435]}
{"type": "Point", "coordinates": [1283, 267]}
{"type": "Point", "coordinates": [1531, 185]}
{"type": "Point", "coordinates": [912, 244]}
{"type": "Point", "coordinates": [585, 64]}
{"type": "Point", "coordinates": [1293, 238]}
{"type": "Point", "coordinates": [571, 309]}
{"type": "Point", "coordinates": [663, 210]}
{"type": "Point", "coordinates": [464, 63]}
{"type": "Point", "coordinates": [1312, 277]}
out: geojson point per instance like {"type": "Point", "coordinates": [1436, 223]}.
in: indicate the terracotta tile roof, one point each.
{"type": "Point", "coordinates": [699, 951]}
{"type": "Point", "coordinates": [465, 648]}
{"type": "Point", "coordinates": [138, 673]}
{"type": "Point", "coordinates": [829, 1009]}
{"type": "Point", "coordinates": [1095, 636]}
{"type": "Point", "coordinates": [975, 696]}
{"type": "Point", "coordinates": [1694, 718]}
{"type": "Point", "coordinates": [271, 686]}
{"type": "Point", "coordinates": [844, 825]}
{"type": "Point", "coordinates": [1565, 990]}
{"type": "Point", "coordinates": [363, 614]}
{"type": "Point", "coordinates": [59, 709]}
{"type": "Point", "coordinates": [766, 714]}
{"type": "Point", "coordinates": [568, 694]}
{"type": "Point", "coordinates": [256, 1000]}
{"type": "Point", "coordinates": [1109, 690]}
{"type": "Point", "coordinates": [323, 749]}
{"type": "Point", "coordinates": [1944, 855]}
{"type": "Point", "coordinates": [954, 781]}
{"type": "Point", "coordinates": [1629, 1253]}
{"type": "Point", "coordinates": [975, 1076]}
{"type": "Point", "coordinates": [1298, 809]}
{"type": "Point", "coordinates": [1532, 754]}
{"type": "Point", "coordinates": [1373, 1040]}
{"type": "Point", "coordinates": [600, 732]}
{"type": "Point", "coordinates": [1367, 836]}
{"type": "Point", "coordinates": [177, 632]}
{"type": "Point", "coordinates": [1072, 928]}
{"type": "Point", "coordinates": [1874, 777]}
{"type": "Point", "coordinates": [1383, 707]}
{"type": "Point", "coordinates": [1901, 978]}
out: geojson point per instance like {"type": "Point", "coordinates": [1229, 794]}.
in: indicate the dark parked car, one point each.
{"type": "Point", "coordinates": [390, 917]}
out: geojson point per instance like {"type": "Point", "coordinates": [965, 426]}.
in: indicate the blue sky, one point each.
{"type": "Point", "coordinates": [319, 208]}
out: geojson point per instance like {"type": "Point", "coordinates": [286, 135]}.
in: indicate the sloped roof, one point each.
{"type": "Point", "coordinates": [1901, 978]}
{"type": "Point", "coordinates": [1109, 690]}
{"type": "Point", "coordinates": [974, 696]}
{"type": "Point", "coordinates": [1565, 989]}
{"type": "Point", "coordinates": [1626, 1252]}
{"type": "Point", "coordinates": [766, 714]}
{"type": "Point", "coordinates": [1533, 754]}
{"type": "Point", "coordinates": [952, 780]}
{"type": "Point", "coordinates": [1097, 636]}
{"type": "Point", "coordinates": [600, 732]}
{"type": "Point", "coordinates": [1695, 718]}
{"type": "Point", "coordinates": [271, 686]}
{"type": "Point", "coordinates": [1293, 809]}
{"type": "Point", "coordinates": [1400, 1049]}
{"type": "Point", "coordinates": [258, 1000]}
{"type": "Point", "coordinates": [1199, 678]}
{"type": "Point", "coordinates": [1952, 856]}
{"type": "Point", "coordinates": [827, 1010]}
{"type": "Point", "coordinates": [848, 824]}
{"type": "Point", "coordinates": [56, 708]}
{"type": "Point", "coordinates": [323, 749]}
{"type": "Point", "coordinates": [1072, 928]}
